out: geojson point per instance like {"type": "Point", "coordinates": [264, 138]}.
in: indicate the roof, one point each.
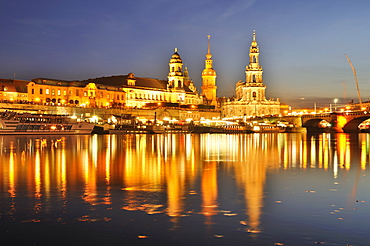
{"type": "Point", "coordinates": [121, 81]}
{"type": "Point", "coordinates": [14, 85]}
{"type": "Point", "coordinates": [117, 81]}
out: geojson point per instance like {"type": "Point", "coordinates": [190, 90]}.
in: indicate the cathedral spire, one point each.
{"type": "Point", "coordinates": [254, 46]}
{"type": "Point", "coordinates": [254, 70]}
{"type": "Point", "coordinates": [209, 77]}
{"type": "Point", "coordinates": [209, 55]}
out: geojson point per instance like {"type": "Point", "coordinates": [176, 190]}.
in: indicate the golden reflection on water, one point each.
{"type": "Point", "coordinates": [147, 168]}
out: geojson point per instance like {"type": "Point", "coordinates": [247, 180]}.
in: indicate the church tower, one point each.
{"type": "Point", "coordinates": [209, 87]}
{"type": "Point", "coordinates": [253, 89]}
{"type": "Point", "coordinates": [175, 76]}
{"type": "Point", "coordinates": [250, 97]}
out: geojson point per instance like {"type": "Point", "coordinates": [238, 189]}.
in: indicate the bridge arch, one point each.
{"type": "Point", "coordinates": [313, 125]}
{"type": "Point", "coordinates": [312, 122]}
{"type": "Point", "coordinates": [352, 125]}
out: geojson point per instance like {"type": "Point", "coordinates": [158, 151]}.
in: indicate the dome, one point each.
{"type": "Point", "coordinates": [254, 43]}
{"type": "Point", "coordinates": [175, 58]}
{"type": "Point", "coordinates": [209, 72]}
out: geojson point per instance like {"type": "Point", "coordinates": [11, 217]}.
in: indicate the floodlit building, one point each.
{"type": "Point", "coordinates": [118, 91]}
{"type": "Point", "coordinates": [250, 97]}
{"type": "Point", "coordinates": [209, 88]}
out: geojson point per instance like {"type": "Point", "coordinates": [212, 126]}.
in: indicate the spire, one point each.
{"type": "Point", "coordinates": [209, 55]}
{"type": "Point", "coordinates": [254, 45]}
{"type": "Point", "coordinates": [209, 44]}
{"type": "Point", "coordinates": [254, 70]}
{"type": "Point", "coordinates": [209, 87]}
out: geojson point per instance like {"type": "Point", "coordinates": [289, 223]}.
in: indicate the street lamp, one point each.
{"type": "Point", "coordinates": [335, 104]}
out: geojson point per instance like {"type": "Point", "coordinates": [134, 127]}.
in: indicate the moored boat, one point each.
{"type": "Point", "coordinates": [267, 128]}
{"type": "Point", "coordinates": [136, 129]}
{"type": "Point", "coordinates": [13, 123]}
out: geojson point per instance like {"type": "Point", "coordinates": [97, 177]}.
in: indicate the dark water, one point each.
{"type": "Point", "coordinates": [183, 189]}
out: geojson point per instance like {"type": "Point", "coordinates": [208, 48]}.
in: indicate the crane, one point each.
{"type": "Point", "coordinates": [355, 75]}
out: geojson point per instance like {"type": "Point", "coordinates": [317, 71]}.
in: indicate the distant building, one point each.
{"type": "Point", "coordinates": [74, 93]}
{"type": "Point", "coordinates": [250, 97]}
{"type": "Point", "coordinates": [113, 91]}
{"type": "Point", "coordinates": [209, 88]}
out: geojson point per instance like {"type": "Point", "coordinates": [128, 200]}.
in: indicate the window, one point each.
{"type": "Point", "coordinates": [85, 93]}
{"type": "Point", "coordinates": [58, 92]}
{"type": "Point", "coordinates": [40, 91]}
{"type": "Point", "coordinates": [47, 91]}
{"type": "Point", "coordinates": [53, 92]}
{"type": "Point", "coordinates": [33, 91]}
{"type": "Point", "coordinates": [77, 93]}
{"type": "Point", "coordinates": [254, 95]}
{"type": "Point", "coordinates": [65, 93]}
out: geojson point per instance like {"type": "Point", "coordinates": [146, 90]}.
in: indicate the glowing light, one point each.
{"type": "Point", "coordinates": [342, 121]}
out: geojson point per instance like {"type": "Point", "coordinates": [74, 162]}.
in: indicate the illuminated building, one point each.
{"type": "Point", "coordinates": [250, 95]}
{"type": "Point", "coordinates": [12, 90]}
{"type": "Point", "coordinates": [181, 89]}
{"type": "Point", "coordinates": [209, 87]}
{"type": "Point", "coordinates": [74, 93]}
{"type": "Point", "coordinates": [114, 91]}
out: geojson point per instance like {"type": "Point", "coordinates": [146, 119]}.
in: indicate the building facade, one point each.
{"type": "Point", "coordinates": [74, 93]}
{"type": "Point", "coordinates": [115, 91]}
{"type": "Point", "coordinates": [250, 97]}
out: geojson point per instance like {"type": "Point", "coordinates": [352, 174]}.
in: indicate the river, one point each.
{"type": "Point", "coordinates": [185, 189]}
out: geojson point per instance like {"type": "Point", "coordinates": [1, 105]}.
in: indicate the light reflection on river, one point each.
{"type": "Point", "coordinates": [207, 189]}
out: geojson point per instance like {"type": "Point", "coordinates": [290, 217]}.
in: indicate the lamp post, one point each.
{"type": "Point", "coordinates": [335, 104]}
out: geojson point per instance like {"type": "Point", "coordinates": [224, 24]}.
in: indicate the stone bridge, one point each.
{"type": "Point", "coordinates": [347, 122]}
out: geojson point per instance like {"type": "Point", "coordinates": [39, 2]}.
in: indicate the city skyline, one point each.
{"type": "Point", "coordinates": [302, 44]}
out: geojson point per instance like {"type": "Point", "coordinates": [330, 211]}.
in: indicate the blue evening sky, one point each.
{"type": "Point", "coordinates": [302, 42]}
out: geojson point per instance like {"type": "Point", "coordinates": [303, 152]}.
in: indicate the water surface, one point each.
{"type": "Point", "coordinates": [185, 189]}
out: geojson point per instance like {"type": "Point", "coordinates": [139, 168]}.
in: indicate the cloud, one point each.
{"type": "Point", "coordinates": [237, 7]}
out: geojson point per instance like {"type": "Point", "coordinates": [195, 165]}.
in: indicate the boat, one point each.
{"type": "Point", "coordinates": [137, 129]}
{"type": "Point", "coordinates": [14, 123]}
{"type": "Point", "coordinates": [179, 128]}
{"type": "Point", "coordinates": [267, 128]}
{"type": "Point", "coordinates": [228, 129]}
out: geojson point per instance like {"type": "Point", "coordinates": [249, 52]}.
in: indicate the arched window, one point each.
{"type": "Point", "coordinates": [253, 78]}
{"type": "Point", "coordinates": [254, 95]}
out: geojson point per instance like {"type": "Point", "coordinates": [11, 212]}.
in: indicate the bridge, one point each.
{"type": "Point", "coordinates": [347, 122]}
